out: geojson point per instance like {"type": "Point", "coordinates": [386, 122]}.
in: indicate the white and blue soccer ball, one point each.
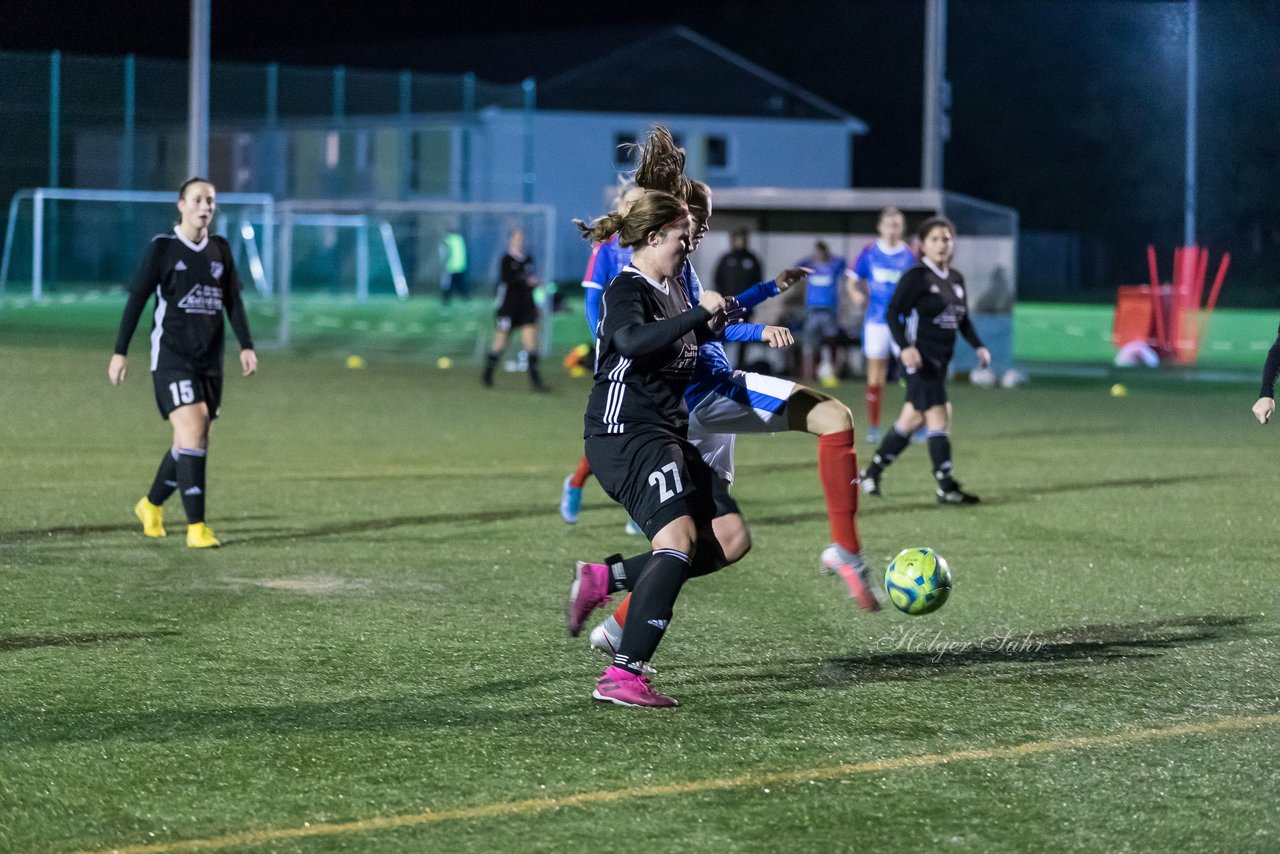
{"type": "Point", "coordinates": [918, 581]}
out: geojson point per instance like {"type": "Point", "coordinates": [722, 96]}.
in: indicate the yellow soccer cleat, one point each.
{"type": "Point", "coordinates": [200, 537]}
{"type": "Point", "coordinates": [151, 517]}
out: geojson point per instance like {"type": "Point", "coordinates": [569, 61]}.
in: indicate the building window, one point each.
{"type": "Point", "coordinates": [622, 151]}
{"type": "Point", "coordinates": [717, 152]}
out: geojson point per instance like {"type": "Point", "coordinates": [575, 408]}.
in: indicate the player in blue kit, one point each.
{"type": "Point", "coordinates": [821, 313]}
{"type": "Point", "coordinates": [874, 276]}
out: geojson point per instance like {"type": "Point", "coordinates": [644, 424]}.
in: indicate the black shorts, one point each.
{"type": "Point", "coordinates": [927, 387]}
{"type": "Point", "coordinates": [516, 313]}
{"type": "Point", "coordinates": [176, 388]}
{"type": "Point", "coordinates": [658, 477]}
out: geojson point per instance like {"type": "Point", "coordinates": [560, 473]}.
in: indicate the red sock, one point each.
{"type": "Point", "coordinates": [874, 393]}
{"type": "Point", "coordinates": [621, 613]}
{"type": "Point", "coordinates": [581, 474]}
{"type": "Point", "coordinates": [838, 469]}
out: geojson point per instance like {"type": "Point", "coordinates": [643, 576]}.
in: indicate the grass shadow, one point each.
{"type": "Point", "coordinates": [12, 643]}
{"type": "Point", "coordinates": [914, 654]}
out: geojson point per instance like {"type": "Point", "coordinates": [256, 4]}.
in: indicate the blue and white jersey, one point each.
{"type": "Point", "coordinates": [713, 363]}
{"type": "Point", "coordinates": [607, 260]}
{"type": "Point", "coordinates": [881, 270]}
{"type": "Point", "coordinates": [823, 287]}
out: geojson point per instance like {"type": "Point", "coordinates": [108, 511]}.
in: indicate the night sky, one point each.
{"type": "Point", "coordinates": [1071, 111]}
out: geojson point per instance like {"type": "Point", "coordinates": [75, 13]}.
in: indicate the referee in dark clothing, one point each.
{"type": "Point", "coordinates": [737, 270]}
{"type": "Point", "coordinates": [929, 307]}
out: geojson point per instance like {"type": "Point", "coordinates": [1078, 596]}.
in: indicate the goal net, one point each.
{"type": "Point", "coordinates": [412, 279]}
{"type": "Point", "coordinates": [76, 249]}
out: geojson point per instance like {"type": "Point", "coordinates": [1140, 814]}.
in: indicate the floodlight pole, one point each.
{"type": "Point", "coordinates": [936, 94]}
{"type": "Point", "coordinates": [1189, 203]}
{"type": "Point", "coordinates": [198, 92]}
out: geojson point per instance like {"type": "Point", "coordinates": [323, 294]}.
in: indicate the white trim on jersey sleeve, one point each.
{"type": "Point", "coordinates": [158, 331]}
{"type": "Point", "coordinates": [613, 400]}
{"type": "Point", "coordinates": [596, 285]}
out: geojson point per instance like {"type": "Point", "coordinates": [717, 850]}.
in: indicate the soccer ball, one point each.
{"type": "Point", "coordinates": [918, 581]}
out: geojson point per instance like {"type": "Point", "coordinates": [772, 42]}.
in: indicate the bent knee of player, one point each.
{"type": "Point", "coordinates": [733, 536]}
{"type": "Point", "coordinates": [830, 416]}
{"type": "Point", "coordinates": [680, 534]}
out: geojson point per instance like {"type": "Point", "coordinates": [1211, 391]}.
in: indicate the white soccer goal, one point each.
{"type": "Point", "coordinates": [396, 253]}
{"type": "Point", "coordinates": [332, 274]}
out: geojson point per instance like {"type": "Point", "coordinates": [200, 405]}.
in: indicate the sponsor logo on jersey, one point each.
{"type": "Point", "coordinates": [202, 299]}
{"type": "Point", "coordinates": [215, 269]}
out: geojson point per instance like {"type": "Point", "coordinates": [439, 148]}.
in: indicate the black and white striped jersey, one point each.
{"type": "Point", "coordinates": [194, 285]}
{"type": "Point", "coordinates": [645, 355]}
{"type": "Point", "coordinates": [927, 310]}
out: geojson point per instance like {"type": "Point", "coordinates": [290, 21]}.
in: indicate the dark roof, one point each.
{"type": "Point", "coordinates": [679, 71]}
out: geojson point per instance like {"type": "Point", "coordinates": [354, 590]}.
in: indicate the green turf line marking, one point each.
{"type": "Point", "coordinates": [536, 805]}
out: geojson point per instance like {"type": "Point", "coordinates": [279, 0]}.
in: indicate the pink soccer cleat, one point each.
{"type": "Point", "coordinates": [852, 569]}
{"type": "Point", "coordinates": [590, 590]}
{"type": "Point", "coordinates": [624, 688]}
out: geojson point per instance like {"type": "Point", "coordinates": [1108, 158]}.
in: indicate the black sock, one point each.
{"type": "Point", "coordinates": [490, 363]}
{"type": "Point", "coordinates": [535, 378]}
{"type": "Point", "coordinates": [707, 558]}
{"type": "Point", "coordinates": [893, 445]}
{"type": "Point", "coordinates": [940, 454]}
{"type": "Point", "coordinates": [624, 572]}
{"type": "Point", "coordinates": [190, 466]}
{"type": "Point", "coordinates": [652, 602]}
{"type": "Point", "coordinates": [166, 478]}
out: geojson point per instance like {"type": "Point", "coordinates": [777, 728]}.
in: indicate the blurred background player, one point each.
{"type": "Point", "coordinates": [931, 299]}
{"type": "Point", "coordinates": [193, 278]}
{"type": "Point", "coordinates": [608, 258]}
{"type": "Point", "coordinates": [737, 270]}
{"type": "Point", "coordinates": [821, 331]}
{"type": "Point", "coordinates": [516, 308]}
{"type": "Point", "coordinates": [723, 402]}
{"type": "Point", "coordinates": [453, 266]}
{"type": "Point", "coordinates": [874, 275]}
{"type": "Point", "coordinates": [1266, 405]}
{"type": "Point", "coordinates": [635, 438]}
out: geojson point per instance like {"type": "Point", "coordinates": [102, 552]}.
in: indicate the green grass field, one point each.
{"type": "Point", "coordinates": [376, 660]}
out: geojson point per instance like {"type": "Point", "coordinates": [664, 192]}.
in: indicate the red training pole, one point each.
{"type": "Point", "coordinates": [1157, 311]}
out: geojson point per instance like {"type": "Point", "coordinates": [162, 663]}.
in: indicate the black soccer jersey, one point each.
{"type": "Point", "coordinates": [645, 355]}
{"type": "Point", "coordinates": [194, 285]}
{"type": "Point", "coordinates": [515, 290]}
{"type": "Point", "coordinates": [926, 312]}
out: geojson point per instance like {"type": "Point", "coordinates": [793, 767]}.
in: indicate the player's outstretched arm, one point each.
{"type": "Point", "coordinates": [1263, 409]}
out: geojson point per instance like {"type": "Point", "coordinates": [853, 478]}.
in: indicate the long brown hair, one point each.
{"type": "Point", "coordinates": [662, 164]}
{"type": "Point", "coordinates": [652, 212]}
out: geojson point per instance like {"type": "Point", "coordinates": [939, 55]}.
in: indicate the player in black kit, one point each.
{"type": "Point", "coordinates": [1265, 406]}
{"type": "Point", "coordinates": [193, 278]}
{"type": "Point", "coordinates": [928, 308]}
{"type": "Point", "coordinates": [516, 308]}
{"type": "Point", "coordinates": [636, 426]}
